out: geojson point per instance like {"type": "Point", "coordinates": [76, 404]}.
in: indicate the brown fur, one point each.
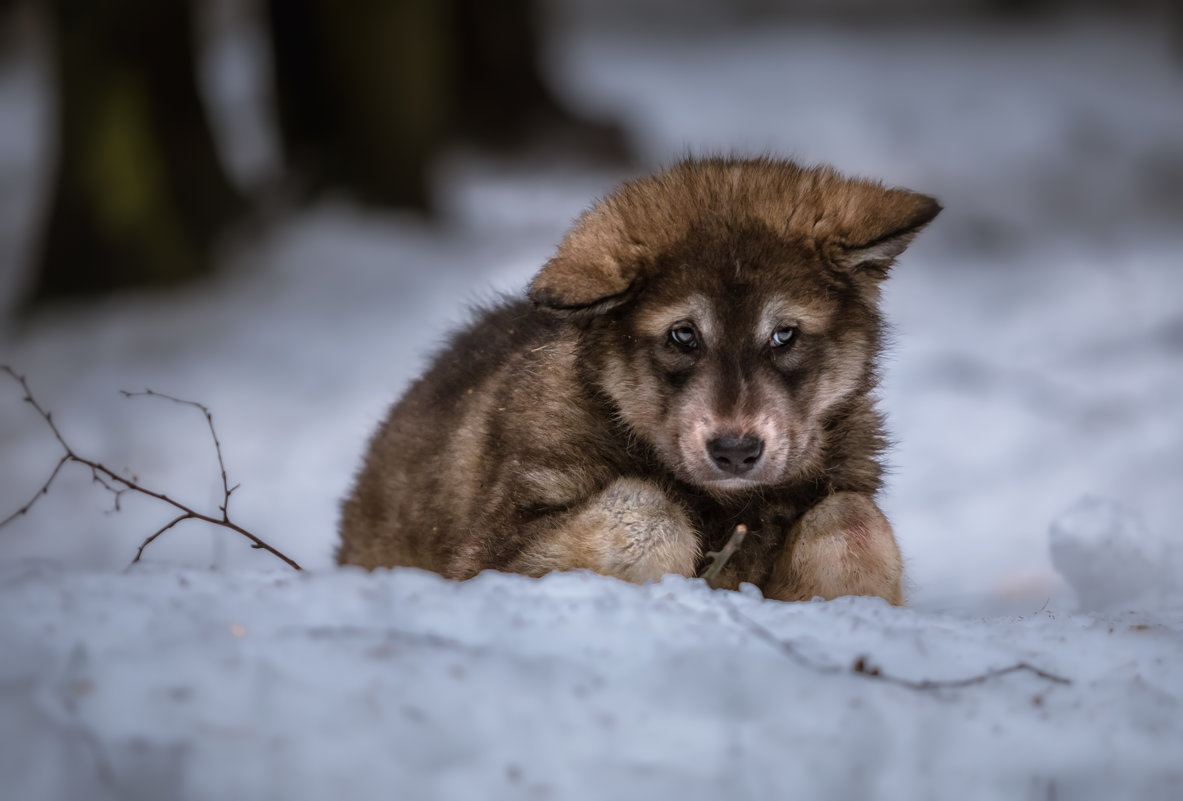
{"type": "Point", "coordinates": [603, 425]}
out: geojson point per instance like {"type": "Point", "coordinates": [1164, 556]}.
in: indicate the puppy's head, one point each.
{"type": "Point", "coordinates": [731, 309]}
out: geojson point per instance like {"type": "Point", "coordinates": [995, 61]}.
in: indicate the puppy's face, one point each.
{"type": "Point", "coordinates": [730, 309]}
{"type": "Point", "coordinates": [732, 357]}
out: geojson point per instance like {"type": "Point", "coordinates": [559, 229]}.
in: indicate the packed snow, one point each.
{"type": "Point", "coordinates": [1034, 391]}
{"type": "Point", "coordinates": [336, 684]}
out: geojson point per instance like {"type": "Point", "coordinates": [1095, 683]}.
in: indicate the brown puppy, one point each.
{"type": "Point", "coordinates": [699, 353]}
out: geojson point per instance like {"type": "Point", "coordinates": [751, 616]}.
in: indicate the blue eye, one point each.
{"type": "Point", "coordinates": [782, 336]}
{"type": "Point", "coordinates": [684, 337]}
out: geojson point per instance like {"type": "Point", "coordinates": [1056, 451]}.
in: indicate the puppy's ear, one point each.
{"type": "Point", "coordinates": [595, 267]}
{"type": "Point", "coordinates": [879, 225]}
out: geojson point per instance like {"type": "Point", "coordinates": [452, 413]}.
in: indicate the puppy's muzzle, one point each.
{"type": "Point", "coordinates": [736, 455]}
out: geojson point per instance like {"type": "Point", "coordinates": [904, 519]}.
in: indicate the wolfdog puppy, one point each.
{"type": "Point", "coordinates": [699, 353]}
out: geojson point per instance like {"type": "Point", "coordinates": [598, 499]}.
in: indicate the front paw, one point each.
{"type": "Point", "coordinates": [842, 546]}
{"type": "Point", "coordinates": [631, 530]}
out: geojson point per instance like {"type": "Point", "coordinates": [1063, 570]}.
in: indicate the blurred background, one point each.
{"type": "Point", "coordinates": [279, 207]}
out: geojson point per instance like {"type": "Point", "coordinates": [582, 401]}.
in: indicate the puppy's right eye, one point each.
{"type": "Point", "coordinates": [684, 337]}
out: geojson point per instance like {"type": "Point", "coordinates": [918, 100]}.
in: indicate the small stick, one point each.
{"type": "Point", "coordinates": [117, 485]}
{"type": "Point", "coordinates": [863, 667]}
{"type": "Point", "coordinates": [209, 419]}
{"type": "Point", "coordinates": [719, 558]}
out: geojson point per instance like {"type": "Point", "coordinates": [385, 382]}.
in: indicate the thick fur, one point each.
{"type": "Point", "coordinates": [718, 313]}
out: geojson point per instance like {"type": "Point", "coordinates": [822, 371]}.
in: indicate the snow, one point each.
{"type": "Point", "coordinates": [1034, 391]}
{"type": "Point", "coordinates": [401, 684]}
{"type": "Point", "coordinates": [1109, 558]}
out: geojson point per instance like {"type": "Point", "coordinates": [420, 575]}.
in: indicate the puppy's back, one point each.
{"type": "Point", "coordinates": [426, 463]}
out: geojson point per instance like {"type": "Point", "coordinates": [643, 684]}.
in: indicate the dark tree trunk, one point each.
{"type": "Point", "coordinates": [140, 195]}
{"type": "Point", "coordinates": [364, 92]}
{"type": "Point", "coordinates": [500, 91]}
{"type": "Point", "coordinates": [504, 101]}
{"type": "Point", "coordinates": [369, 91]}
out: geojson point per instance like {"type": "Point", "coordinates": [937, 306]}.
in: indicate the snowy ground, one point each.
{"type": "Point", "coordinates": [1035, 390]}
{"type": "Point", "coordinates": [213, 685]}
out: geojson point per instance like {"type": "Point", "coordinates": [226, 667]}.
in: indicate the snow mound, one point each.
{"type": "Point", "coordinates": [208, 685]}
{"type": "Point", "coordinates": [1108, 556]}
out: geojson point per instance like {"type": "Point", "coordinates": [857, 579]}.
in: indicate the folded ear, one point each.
{"type": "Point", "coordinates": [879, 225]}
{"type": "Point", "coordinates": [594, 268]}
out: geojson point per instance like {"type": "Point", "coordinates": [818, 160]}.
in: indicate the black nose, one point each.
{"type": "Point", "coordinates": [736, 454]}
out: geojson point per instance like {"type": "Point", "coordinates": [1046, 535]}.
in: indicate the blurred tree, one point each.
{"type": "Point", "coordinates": [362, 88]}
{"type": "Point", "coordinates": [370, 90]}
{"type": "Point", "coordinates": [503, 100]}
{"type": "Point", "coordinates": [140, 194]}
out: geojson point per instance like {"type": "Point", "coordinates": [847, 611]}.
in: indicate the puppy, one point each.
{"type": "Point", "coordinates": [700, 353]}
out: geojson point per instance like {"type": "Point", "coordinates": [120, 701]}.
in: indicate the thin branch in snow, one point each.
{"type": "Point", "coordinates": [24, 510]}
{"type": "Point", "coordinates": [863, 667]}
{"type": "Point", "coordinates": [784, 646]}
{"type": "Point", "coordinates": [117, 485]}
{"type": "Point", "coordinates": [161, 530]}
{"type": "Point", "coordinates": [719, 558]}
{"type": "Point", "coordinates": [209, 419]}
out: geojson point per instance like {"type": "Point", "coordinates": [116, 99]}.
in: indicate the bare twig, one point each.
{"type": "Point", "coordinates": [161, 530]}
{"type": "Point", "coordinates": [209, 419]}
{"type": "Point", "coordinates": [117, 485]}
{"type": "Point", "coordinates": [24, 510]}
{"type": "Point", "coordinates": [862, 667]}
{"type": "Point", "coordinates": [719, 558]}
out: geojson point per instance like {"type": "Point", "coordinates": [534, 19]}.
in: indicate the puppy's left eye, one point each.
{"type": "Point", "coordinates": [684, 337]}
{"type": "Point", "coordinates": [782, 336]}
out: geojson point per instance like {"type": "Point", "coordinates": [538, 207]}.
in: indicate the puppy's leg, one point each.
{"type": "Point", "coordinates": [842, 546]}
{"type": "Point", "coordinates": [630, 530]}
